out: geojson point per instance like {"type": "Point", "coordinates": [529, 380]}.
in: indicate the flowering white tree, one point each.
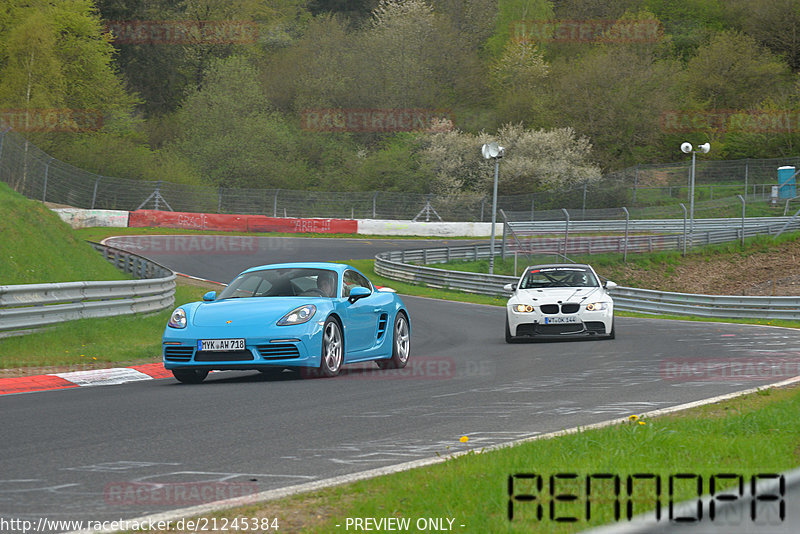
{"type": "Point", "coordinates": [535, 160]}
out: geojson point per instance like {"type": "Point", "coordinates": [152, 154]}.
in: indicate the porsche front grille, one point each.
{"type": "Point", "coordinates": [278, 351]}
{"type": "Point", "coordinates": [178, 353]}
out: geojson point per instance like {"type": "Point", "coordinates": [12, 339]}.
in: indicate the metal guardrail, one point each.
{"type": "Point", "coordinates": [33, 305]}
{"type": "Point", "coordinates": [663, 226]}
{"type": "Point", "coordinates": [389, 265]}
{"type": "Point", "coordinates": [650, 301]}
{"type": "Point", "coordinates": [393, 265]}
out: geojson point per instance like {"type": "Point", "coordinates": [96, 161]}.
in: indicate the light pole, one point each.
{"type": "Point", "coordinates": [703, 149]}
{"type": "Point", "coordinates": [495, 152]}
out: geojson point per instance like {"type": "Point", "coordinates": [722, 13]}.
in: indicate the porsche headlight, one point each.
{"type": "Point", "coordinates": [178, 319]}
{"type": "Point", "coordinates": [300, 315]}
{"type": "Point", "coordinates": [522, 308]}
{"type": "Point", "coordinates": [597, 306]}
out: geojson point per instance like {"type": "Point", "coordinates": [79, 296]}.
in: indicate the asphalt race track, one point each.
{"type": "Point", "coordinates": [70, 454]}
{"type": "Point", "coordinates": [220, 258]}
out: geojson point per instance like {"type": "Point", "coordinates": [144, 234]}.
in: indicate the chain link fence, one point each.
{"type": "Point", "coordinates": [35, 174]}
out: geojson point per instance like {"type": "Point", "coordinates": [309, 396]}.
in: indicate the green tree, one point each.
{"type": "Point", "coordinates": [519, 79]}
{"type": "Point", "coordinates": [56, 54]}
{"type": "Point", "coordinates": [510, 13]}
{"type": "Point", "coordinates": [615, 96]}
{"type": "Point", "coordinates": [234, 137]}
{"type": "Point", "coordinates": [774, 24]}
{"type": "Point", "coordinates": [734, 72]}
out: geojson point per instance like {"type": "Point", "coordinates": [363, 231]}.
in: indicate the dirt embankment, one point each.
{"type": "Point", "coordinates": [764, 271]}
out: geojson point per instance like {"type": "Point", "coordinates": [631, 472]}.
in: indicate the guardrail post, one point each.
{"type": "Point", "coordinates": [424, 256]}
{"type": "Point", "coordinates": [627, 222]}
{"type": "Point", "coordinates": [94, 193]}
{"type": "Point", "coordinates": [476, 252]}
{"type": "Point", "coordinates": [503, 242]}
{"type": "Point", "coordinates": [46, 173]}
{"type": "Point", "coordinates": [275, 204]}
{"type": "Point", "coordinates": [448, 253]}
{"type": "Point", "coordinates": [374, 202]}
{"type": "Point", "coordinates": [566, 231]}
{"type": "Point", "coordinates": [684, 227]}
{"type": "Point", "coordinates": [743, 210]}
{"type": "Point", "coordinates": [746, 168]}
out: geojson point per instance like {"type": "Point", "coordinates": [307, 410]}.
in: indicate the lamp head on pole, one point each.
{"type": "Point", "coordinates": [686, 148]}
{"type": "Point", "coordinates": [704, 148]}
{"type": "Point", "coordinates": [492, 151]}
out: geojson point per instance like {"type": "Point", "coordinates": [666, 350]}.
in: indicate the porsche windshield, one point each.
{"type": "Point", "coordinates": [289, 282]}
{"type": "Point", "coordinates": [538, 278]}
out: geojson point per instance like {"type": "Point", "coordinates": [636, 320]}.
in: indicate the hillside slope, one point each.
{"type": "Point", "coordinates": [37, 247]}
{"type": "Point", "coordinates": [765, 268]}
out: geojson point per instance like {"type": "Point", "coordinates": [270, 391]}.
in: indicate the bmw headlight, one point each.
{"type": "Point", "coordinates": [178, 319]}
{"type": "Point", "coordinates": [522, 308]}
{"type": "Point", "coordinates": [597, 306]}
{"type": "Point", "coordinates": [300, 315]}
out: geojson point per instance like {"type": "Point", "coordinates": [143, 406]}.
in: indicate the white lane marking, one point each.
{"type": "Point", "coordinates": [104, 377]}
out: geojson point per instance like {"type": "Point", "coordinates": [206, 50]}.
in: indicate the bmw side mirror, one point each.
{"type": "Point", "coordinates": [510, 287]}
{"type": "Point", "coordinates": [210, 296]}
{"type": "Point", "coordinates": [609, 284]}
{"type": "Point", "coordinates": [358, 293]}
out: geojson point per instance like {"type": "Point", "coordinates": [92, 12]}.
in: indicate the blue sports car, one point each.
{"type": "Point", "coordinates": [315, 317]}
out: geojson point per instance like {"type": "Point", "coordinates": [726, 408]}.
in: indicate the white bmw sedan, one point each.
{"type": "Point", "coordinates": [559, 301]}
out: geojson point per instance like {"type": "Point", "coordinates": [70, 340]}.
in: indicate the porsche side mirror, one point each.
{"type": "Point", "coordinates": [358, 292]}
{"type": "Point", "coordinates": [210, 296]}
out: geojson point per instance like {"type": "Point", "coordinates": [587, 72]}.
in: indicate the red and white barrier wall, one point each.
{"type": "Point", "coordinates": [261, 223]}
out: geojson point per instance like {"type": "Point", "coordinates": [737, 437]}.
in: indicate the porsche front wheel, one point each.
{"type": "Point", "coordinates": [332, 349]}
{"type": "Point", "coordinates": [189, 376]}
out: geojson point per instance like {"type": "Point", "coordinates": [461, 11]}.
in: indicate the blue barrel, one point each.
{"type": "Point", "coordinates": [786, 182]}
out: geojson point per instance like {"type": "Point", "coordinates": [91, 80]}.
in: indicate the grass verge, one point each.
{"type": "Point", "coordinates": [748, 435]}
{"type": "Point", "coordinates": [37, 247]}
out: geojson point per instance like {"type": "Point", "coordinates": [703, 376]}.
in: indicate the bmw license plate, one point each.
{"type": "Point", "coordinates": [561, 320]}
{"type": "Point", "coordinates": [220, 345]}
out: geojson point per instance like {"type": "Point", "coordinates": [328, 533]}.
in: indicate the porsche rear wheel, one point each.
{"type": "Point", "coordinates": [189, 376]}
{"type": "Point", "coordinates": [401, 344]}
{"type": "Point", "coordinates": [332, 349]}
